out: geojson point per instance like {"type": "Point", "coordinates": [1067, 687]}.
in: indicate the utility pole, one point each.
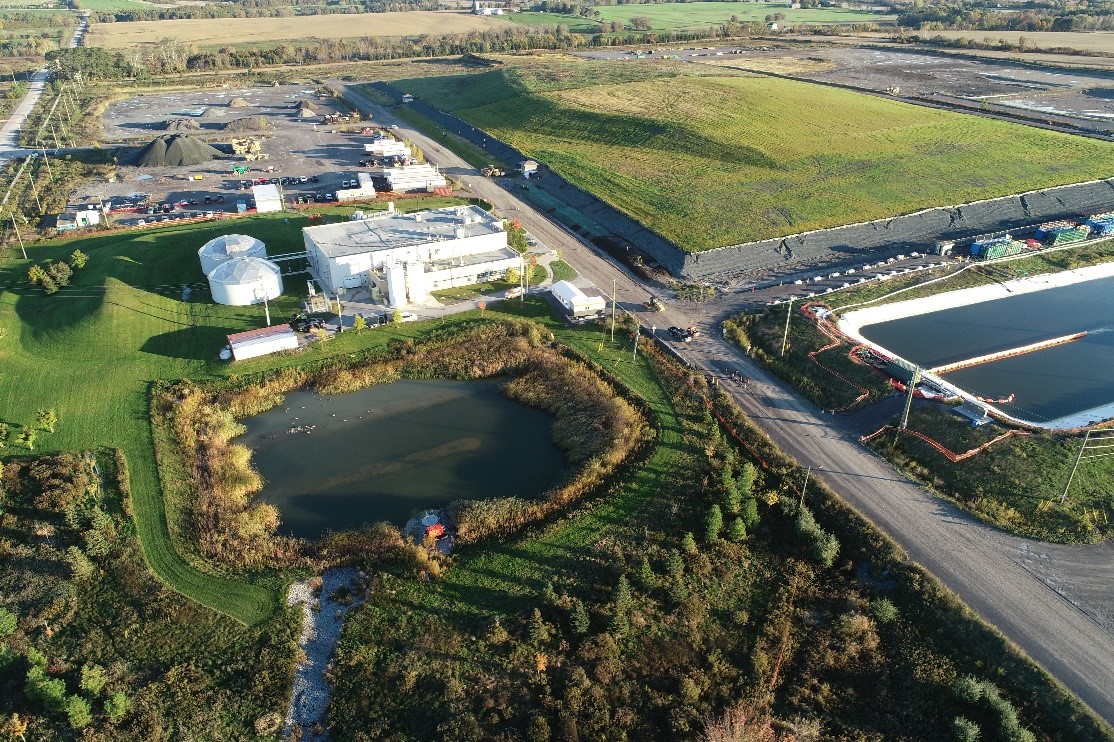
{"type": "Point", "coordinates": [785, 335]}
{"type": "Point", "coordinates": [613, 290]}
{"type": "Point", "coordinates": [340, 317]}
{"type": "Point", "coordinates": [52, 131]}
{"type": "Point", "coordinates": [35, 191]}
{"type": "Point", "coordinates": [18, 237]}
{"type": "Point", "coordinates": [1102, 440]}
{"type": "Point", "coordinates": [46, 161]}
{"type": "Point", "coordinates": [634, 352]}
{"type": "Point", "coordinates": [913, 381]}
{"type": "Point", "coordinates": [808, 472]}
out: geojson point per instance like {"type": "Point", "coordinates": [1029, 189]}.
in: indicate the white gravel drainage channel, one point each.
{"type": "Point", "coordinates": [321, 628]}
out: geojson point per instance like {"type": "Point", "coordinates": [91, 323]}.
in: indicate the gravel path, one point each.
{"type": "Point", "coordinates": [321, 628]}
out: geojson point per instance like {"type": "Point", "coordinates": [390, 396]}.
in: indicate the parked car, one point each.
{"type": "Point", "coordinates": [681, 334]}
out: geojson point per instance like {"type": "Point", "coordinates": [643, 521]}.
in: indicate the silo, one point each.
{"type": "Point", "coordinates": [242, 281]}
{"type": "Point", "coordinates": [227, 246]}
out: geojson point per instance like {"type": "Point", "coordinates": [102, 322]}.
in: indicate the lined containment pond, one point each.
{"type": "Point", "coordinates": [1069, 384]}
{"type": "Point", "coordinates": [338, 462]}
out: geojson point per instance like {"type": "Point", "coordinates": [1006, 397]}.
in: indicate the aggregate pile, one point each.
{"type": "Point", "coordinates": [238, 103]}
{"type": "Point", "coordinates": [249, 123]}
{"type": "Point", "coordinates": [181, 125]}
{"type": "Point", "coordinates": [173, 150]}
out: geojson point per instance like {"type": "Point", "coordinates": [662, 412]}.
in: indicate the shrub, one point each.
{"type": "Point", "coordinates": [93, 679]}
{"type": "Point", "coordinates": [9, 622]}
{"type": "Point", "coordinates": [966, 730]}
{"type": "Point", "coordinates": [883, 610]}
{"type": "Point", "coordinates": [713, 524]}
{"type": "Point", "coordinates": [823, 546]}
{"type": "Point", "coordinates": [737, 531]}
{"type": "Point", "coordinates": [116, 707]}
{"type": "Point", "coordinates": [77, 712]}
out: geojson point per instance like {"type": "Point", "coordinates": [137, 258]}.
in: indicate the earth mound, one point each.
{"type": "Point", "coordinates": [173, 150]}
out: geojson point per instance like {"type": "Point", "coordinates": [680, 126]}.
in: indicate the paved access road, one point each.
{"type": "Point", "coordinates": [1055, 602]}
{"type": "Point", "coordinates": [9, 132]}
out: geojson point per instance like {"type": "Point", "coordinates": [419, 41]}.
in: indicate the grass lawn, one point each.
{"type": "Point", "coordinates": [476, 290]}
{"type": "Point", "coordinates": [91, 350]}
{"type": "Point", "coordinates": [678, 16]}
{"type": "Point", "coordinates": [713, 161]}
{"type": "Point", "coordinates": [575, 23]}
{"type": "Point", "coordinates": [562, 271]}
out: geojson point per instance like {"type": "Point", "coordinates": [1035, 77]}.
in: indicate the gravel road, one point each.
{"type": "Point", "coordinates": [1055, 602]}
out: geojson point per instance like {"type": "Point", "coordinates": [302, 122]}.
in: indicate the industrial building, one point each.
{"type": "Point", "coordinates": [267, 198]}
{"type": "Point", "coordinates": [420, 177]}
{"type": "Point", "coordinates": [387, 148]}
{"type": "Point", "coordinates": [222, 249]}
{"type": "Point", "coordinates": [76, 218]}
{"type": "Point", "coordinates": [261, 342]}
{"type": "Point", "coordinates": [239, 282]}
{"type": "Point", "coordinates": [400, 258]}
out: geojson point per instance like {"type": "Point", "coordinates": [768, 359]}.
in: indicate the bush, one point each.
{"type": "Point", "coordinates": [116, 707]}
{"type": "Point", "coordinates": [966, 730]}
{"type": "Point", "coordinates": [9, 622]}
{"type": "Point", "coordinates": [883, 610]}
{"type": "Point", "coordinates": [77, 712]}
{"type": "Point", "coordinates": [823, 546]}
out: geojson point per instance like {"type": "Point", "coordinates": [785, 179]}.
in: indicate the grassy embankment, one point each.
{"type": "Point", "coordinates": [716, 161]}
{"type": "Point", "coordinates": [91, 350]}
{"type": "Point", "coordinates": [1017, 484]}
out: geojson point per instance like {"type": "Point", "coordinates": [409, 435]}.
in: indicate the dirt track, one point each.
{"type": "Point", "coordinates": [1055, 602]}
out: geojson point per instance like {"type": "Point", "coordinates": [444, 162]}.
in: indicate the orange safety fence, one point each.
{"type": "Point", "coordinates": [836, 337]}
{"type": "Point", "coordinates": [949, 454]}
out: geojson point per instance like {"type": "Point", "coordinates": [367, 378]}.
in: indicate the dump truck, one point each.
{"type": "Point", "coordinates": [491, 171]}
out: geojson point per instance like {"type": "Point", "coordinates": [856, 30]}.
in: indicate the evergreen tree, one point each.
{"type": "Point", "coordinates": [116, 707]}
{"type": "Point", "coordinates": [749, 512]}
{"type": "Point", "coordinates": [646, 577]}
{"type": "Point", "coordinates": [744, 483]}
{"type": "Point", "coordinates": [78, 259]}
{"type": "Point", "coordinates": [688, 543]}
{"type": "Point", "coordinates": [580, 620]}
{"type": "Point", "coordinates": [539, 629]}
{"type": "Point", "coordinates": [47, 419]}
{"type": "Point", "coordinates": [713, 524]}
{"type": "Point", "coordinates": [737, 531]}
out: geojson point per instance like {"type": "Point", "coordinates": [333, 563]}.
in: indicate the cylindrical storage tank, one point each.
{"type": "Point", "coordinates": [242, 281]}
{"type": "Point", "coordinates": [227, 246]}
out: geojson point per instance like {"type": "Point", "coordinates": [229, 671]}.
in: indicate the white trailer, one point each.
{"type": "Point", "coordinates": [575, 302]}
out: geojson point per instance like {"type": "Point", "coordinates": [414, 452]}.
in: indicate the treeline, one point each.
{"type": "Point", "coordinates": [965, 17]}
{"type": "Point", "coordinates": [262, 10]}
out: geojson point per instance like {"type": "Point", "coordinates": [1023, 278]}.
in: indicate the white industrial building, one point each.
{"type": "Point", "coordinates": [575, 302]}
{"type": "Point", "coordinates": [221, 249]}
{"type": "Point", "coordinates": [239, 282]}
{"type": "Point", "coordinates": [401, 258]}
{"type": "Point", "coordinates": [420, 177]}
{"type": "Point", "coordinates": [363, 189]}
{"type": "Point", "coordinates": [387, 148]}
{"type": "Point", "coordinates": [265, 340]}
{"type": "Point", "coordinates": [267, 198]}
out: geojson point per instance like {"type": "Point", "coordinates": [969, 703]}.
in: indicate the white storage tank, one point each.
{"type": "Point", "coordinates": [227, 246]}
{"type": "Point", "coordinates": [242, 281]}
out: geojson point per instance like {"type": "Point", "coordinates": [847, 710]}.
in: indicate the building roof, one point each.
{"type": "Point", "coordinates": [243, 271]}
{"type": "Point", "coordinates": [268, 191]}
{"type": "Point", "coordinates": [231, 245]}
{"type": "Point", "coordinates": [263, 333]}
{"type": "Point", "coordinates": [400, 230]}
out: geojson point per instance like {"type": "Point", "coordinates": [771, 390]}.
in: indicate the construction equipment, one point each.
{"type": "Point", "coordinates": [654, 304]}
{"type": "Point", "coordinates": [893, 90]}
{"type": "Point", "coordinates": [491, 171]}
{"type": "Point", "coordinates": [246, 146]}
{"type": "Point", "coordinates": [255, 156]}
{"type": "Point", "coordinates": [240, 169]}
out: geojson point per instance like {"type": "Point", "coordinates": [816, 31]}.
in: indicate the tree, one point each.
{"type": "Point", "coordinates": [641, 23]}
{"type": "Point", "coordinates": [61, 272]}
{"type": "Point", "coordinates": [966, 730]}
{"type": "Point", "coordinates": [359, 323]}
{"type": "Point", "coordinates": [26, 438]}
{"type": "Point", "coordinates": [36, 274]}
{"type": "Point", "coordinates": [646, 576]}
{"type": "Point", "coordinates": [93, 679]}
{"type": "Point", "coordinates": [749, 512]}
{"type": "Point", "coordinates": [80, 564]}
{"type": "Point", "coordinates": [744, 483]}
{"type": "Point", "coordinates": [538, 731]}
{"type": "Point", "coordinates": [622, 603]}
{"type": "Point", "coordinates": [3, 435]}
{"type": "Point", "coordinates": [580, 620]}
{"type": "Point", "coordinates": [737, 531]}
{"type": "Point", "coordinates": [883, 610]}
{"type": "Point", "coordinates": [49, 286]}
{"type": "Point", "coordinates": [482, 305]}
{"type": "Point", "coordinates": [688, 543]}
{"type": "Point", "coordinates": [16, 726]}
{"type": "Point", "coordinates": [77, 712]}
{"type": "Point", "coordinates": [47, 419]}
{"type": "Point", "coordinates": [9, 622]}
{"type": "Point", "coordinates": [713, 524]}
{"type": "Point", "coordinates": [78, 259]}
{"type": "Point", "coordinates": [396, 316]}
{"type": "Point", "coordinates": [539, 629]}
{"type": "Point", "coordinates": [513, 275]}
{"type": "Point", "coordinates": [117, 706]}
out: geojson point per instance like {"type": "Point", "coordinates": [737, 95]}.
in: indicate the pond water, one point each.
{"type": "Point", "coordinates": [340, 461]}
{"type": "Point", "coordinates": [1054, 383]}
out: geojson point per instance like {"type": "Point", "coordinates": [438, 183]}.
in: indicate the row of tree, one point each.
{"type": "Point", "coordinates": [56, 274]}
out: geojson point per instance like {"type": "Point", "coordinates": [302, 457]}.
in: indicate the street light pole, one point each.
{"type": "Point", "coordinates": [785, 335]}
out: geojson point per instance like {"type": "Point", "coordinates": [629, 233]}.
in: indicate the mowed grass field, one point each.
{"type": "Point", "coordinates": [719, 160]}
{"type": "Point", "coordinates": [238, 31]}
{"type": "Point", "coordinates": [92, 350]}
{"type": "Point", "coordinates": [678, 16]}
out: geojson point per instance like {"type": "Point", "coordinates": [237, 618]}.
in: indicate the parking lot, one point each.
{"type": "Point", "coordinates": [308, 159]}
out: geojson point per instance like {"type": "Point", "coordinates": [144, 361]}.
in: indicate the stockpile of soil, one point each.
{"type": "Point", "coordinates": [174, 150]}
{"type": "Point", "coordinates": [181, 125]}
{"type": "Point", "coordinates": [238, 103]}
{"type": "Point", "coordinates": [305, 105]}
{"type": "Point", "coordinates": [249, 123]}
{"type": "Point", "coordinates": [212, 113]}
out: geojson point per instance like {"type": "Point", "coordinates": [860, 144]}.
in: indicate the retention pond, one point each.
{"type": "Point", "coordinates": [338, 462]}
{"type": "Point", "coordinates": [1065, 385]}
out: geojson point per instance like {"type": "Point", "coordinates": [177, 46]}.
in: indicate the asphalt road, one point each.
{"type": "Point", "coordinates": [1055, 602]}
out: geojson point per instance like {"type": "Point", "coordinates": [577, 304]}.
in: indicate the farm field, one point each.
{"type": "Point", "coordinates": [1095, 41]}
{"type": "Point", "coordinates": [714, 161]}
{"type": "Point", "coordinates": [575, 23]}
{"type": "Point", "coordinates": [219, 31]}
{"type": "Point", "coordinates": [678, 16]}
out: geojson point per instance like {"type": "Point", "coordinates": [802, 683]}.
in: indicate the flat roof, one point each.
{"type": "Point", "coordinates": [263, 333]}
{"type": "Point", "coordinates": [400, 230]}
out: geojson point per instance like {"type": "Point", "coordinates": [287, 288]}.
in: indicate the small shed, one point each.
{"type": "Point", "coordinates": [78, 218]}
{"type": "Point", "coordinates": [267, 198]}
{"type": "Point", "coordinates": [261, 342]}
{"type": "Point", "coordinates": [575, 302]}
{"type": "Point", "coordinates": [529, 168]}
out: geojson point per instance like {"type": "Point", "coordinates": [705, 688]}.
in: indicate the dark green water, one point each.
{"type": "Point", "coordinates": [1064, 380]}
{"type": "Point", "coordinates": [385, 451]}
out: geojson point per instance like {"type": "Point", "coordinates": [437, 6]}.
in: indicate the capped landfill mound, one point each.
{"type": "Point", "coordinates": [239, 103]}
{"type": "Point", "coordinates": [174, 150]}
{"type": "Point", "coordinates": [249, 123]}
